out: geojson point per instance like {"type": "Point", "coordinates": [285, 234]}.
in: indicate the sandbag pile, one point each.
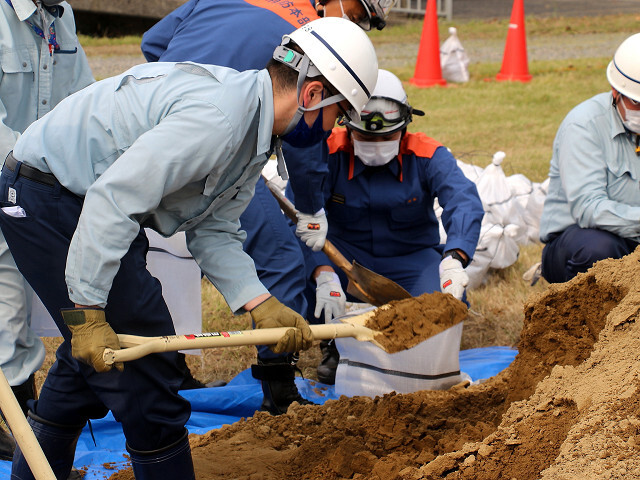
{"type": "Point", "coordinates": [513, 206]}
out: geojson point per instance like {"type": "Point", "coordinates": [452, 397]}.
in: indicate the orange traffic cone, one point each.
{"type": "Point", "coordinates": [428, 70]}
{"type": "Point", "coordinates": [514, 62]}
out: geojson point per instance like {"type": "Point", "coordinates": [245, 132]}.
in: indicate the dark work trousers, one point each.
{"type": "Point", "coordinates": [144, 397]}
{"type": "Point", "coordinates": [576, 250]}
{"type": "Point", "coordinates": [276, 253]}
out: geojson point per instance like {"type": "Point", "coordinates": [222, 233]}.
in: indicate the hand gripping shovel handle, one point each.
{"type": "Point", "coordinates": [135, 347]}
{"type": "Point", "coordinates": [23, 434]}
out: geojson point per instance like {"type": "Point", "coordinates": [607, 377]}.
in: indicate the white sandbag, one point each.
{"type": "Point", "coordinates": [454, 61]}
{"type": "Point", "coordinates": [367, 370]}
{"type": "Point", "coordinates": [533, 209]}
{"type": "Point", "coordinates": [170, 261]}
{"type": "Point", "coordinates": [498, 202]}
{"type": "Point", "coordinates": [496, 248]}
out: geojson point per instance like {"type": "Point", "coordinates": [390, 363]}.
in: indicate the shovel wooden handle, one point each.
{"type": "Point", "coordinates": [135, 347]}
{"type": "Point", "coordinates": [22, 432]}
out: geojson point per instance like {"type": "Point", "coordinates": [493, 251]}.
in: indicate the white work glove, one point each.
{"type": "Point", "coordinates": [453, 278]}
{"type": "Point", "coordinates": [329, 296]}
{"type": "Point", "coordinates": [312, 229]}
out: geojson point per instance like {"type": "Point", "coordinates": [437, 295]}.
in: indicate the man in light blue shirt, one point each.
{"type": "Point", "coordinates": [592, 209]}
{"type": "Point", "coordinates": [41, 62]}
{"type": "Point", "coordinates": [171, 147]}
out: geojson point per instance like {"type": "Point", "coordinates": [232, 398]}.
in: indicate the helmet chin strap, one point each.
{"type": "Point", "coordinates": [302, 75]}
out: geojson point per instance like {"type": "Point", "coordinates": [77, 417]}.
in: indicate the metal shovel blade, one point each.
{"type": "Point", "coordinates": [372, 287]}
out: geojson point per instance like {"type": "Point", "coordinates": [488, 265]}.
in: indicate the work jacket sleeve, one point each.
{"type": "Point", "coordinates": [216, 244]}
{"type": "Point", "coordinates": [462, 210]}
{"type": "Point", "coordinates": [308, 170]}
{"type": "Point", "coordinates": [156, 40]}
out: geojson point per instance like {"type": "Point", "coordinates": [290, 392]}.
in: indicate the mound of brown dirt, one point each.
{"type": "Point", "coordinates": [566, 408]}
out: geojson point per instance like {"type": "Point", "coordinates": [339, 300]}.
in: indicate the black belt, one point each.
{"type": "Point", "coordinates": [29, 172]}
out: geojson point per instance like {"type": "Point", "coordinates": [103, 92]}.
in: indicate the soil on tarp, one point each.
{"type": "Point", "coordinates": [567, 407]}
{"type": "Point", "coordinates": [406, 323]}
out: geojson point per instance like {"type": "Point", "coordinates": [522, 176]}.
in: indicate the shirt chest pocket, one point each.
{"type": "Point", "coordinates": [13, 61]}
{"type": "Point", "coordinates": [15, 65]}
{"type": "Point", "coordinates": [622, 183]}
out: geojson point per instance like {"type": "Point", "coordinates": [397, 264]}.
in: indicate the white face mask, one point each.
{"type": "Point", "coordinates": [632, 121]}
{"type": "Point", "coordinates": [375, 154]}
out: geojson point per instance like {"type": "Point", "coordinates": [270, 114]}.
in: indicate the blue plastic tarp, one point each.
{"type": "Point", "coordinates": [241, 397]}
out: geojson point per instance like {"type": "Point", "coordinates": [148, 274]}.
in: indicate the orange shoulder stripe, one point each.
{"type": "Point", "coordinates": [419, 144]}
{"type": "Point", "coordinates": [338, 140]}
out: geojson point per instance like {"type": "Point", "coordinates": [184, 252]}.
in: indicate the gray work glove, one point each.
{"type": "Point", "coordinates": [90, 335]}
{"type": "Point", "coordinates": [453, 278]}
{"type": "Point", "coordinates": [312, 229]}
{"type": "Point", "coordinates": [271, 314]}
{"type": "Point", "coordinates": [329, 296]}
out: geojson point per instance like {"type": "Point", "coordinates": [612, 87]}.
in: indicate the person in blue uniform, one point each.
{"type": "Point", "coordinates": [222, 32]}
{"type": "Point", "coordinates": [41, 62]}
{"type": "Point", "coordinates": [170, 147]}
{"type": "Point", "coordinates": [379, 199]}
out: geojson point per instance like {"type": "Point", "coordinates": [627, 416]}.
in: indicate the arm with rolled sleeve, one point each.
{"type": "Point", "coordinates": [589, 163]}
{"type": "Point", "coordinates": [462, 209]}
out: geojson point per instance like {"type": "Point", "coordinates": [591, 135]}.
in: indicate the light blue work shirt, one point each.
{"type": "Point", "coordinates": [33, 80]}
{"type": "Point", "coordinates": [594, 174]}
{"type": "Point", "coordinates": [168, 146]}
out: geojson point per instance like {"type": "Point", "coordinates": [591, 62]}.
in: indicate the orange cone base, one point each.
{"type": "Point", "coordinates": [423, 82]}
{"type": "Point", "coordinates": [506, 77]}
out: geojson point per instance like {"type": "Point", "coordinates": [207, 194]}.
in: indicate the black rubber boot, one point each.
{"type": "Point", "coordinates": [171, 462]}
{"type": "Point", "coordinates": [277, 376]}
{"type": "Point", "coordinates": [188, 381]}
{"type": "Point", "coordinates": [25, 392]}
{"type": "Point", "coordinates": [7, 445]}
{"type": "Point", "coordinates": [58, 443]}
{"type": "Point", "coordinates": [329, 363]}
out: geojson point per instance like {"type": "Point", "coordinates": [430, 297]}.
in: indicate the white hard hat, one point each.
{"type": "Point", "coordinates": [377, 13]}
{"type": "Point", "coordinates": [623, 71]}
{"type": "Point", "coordinates": [338, 50]}
{"type": "Point", "coordinates": [388, 109]}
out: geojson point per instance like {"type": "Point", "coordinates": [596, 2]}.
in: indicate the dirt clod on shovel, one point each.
{"type": "Point", "coordinates": [406, 323]}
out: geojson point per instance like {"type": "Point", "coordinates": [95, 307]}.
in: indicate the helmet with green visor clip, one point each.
{"type": "Point", "coordinates": [337, 50]}
{"type": "Point", "coordinates": [388, 110]}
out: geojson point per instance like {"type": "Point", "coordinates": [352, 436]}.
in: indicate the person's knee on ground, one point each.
{"type": "Point", "coordinates": [277, 376]}
{"type": "Point", "coordinates": [576, 250]}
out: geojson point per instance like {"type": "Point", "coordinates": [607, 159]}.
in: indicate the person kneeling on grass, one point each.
{"type": "Point", "coordinates": [171, 147]}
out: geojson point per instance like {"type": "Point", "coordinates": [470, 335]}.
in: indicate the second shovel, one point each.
{"type": "Point", "coordinates": [364, 284]}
